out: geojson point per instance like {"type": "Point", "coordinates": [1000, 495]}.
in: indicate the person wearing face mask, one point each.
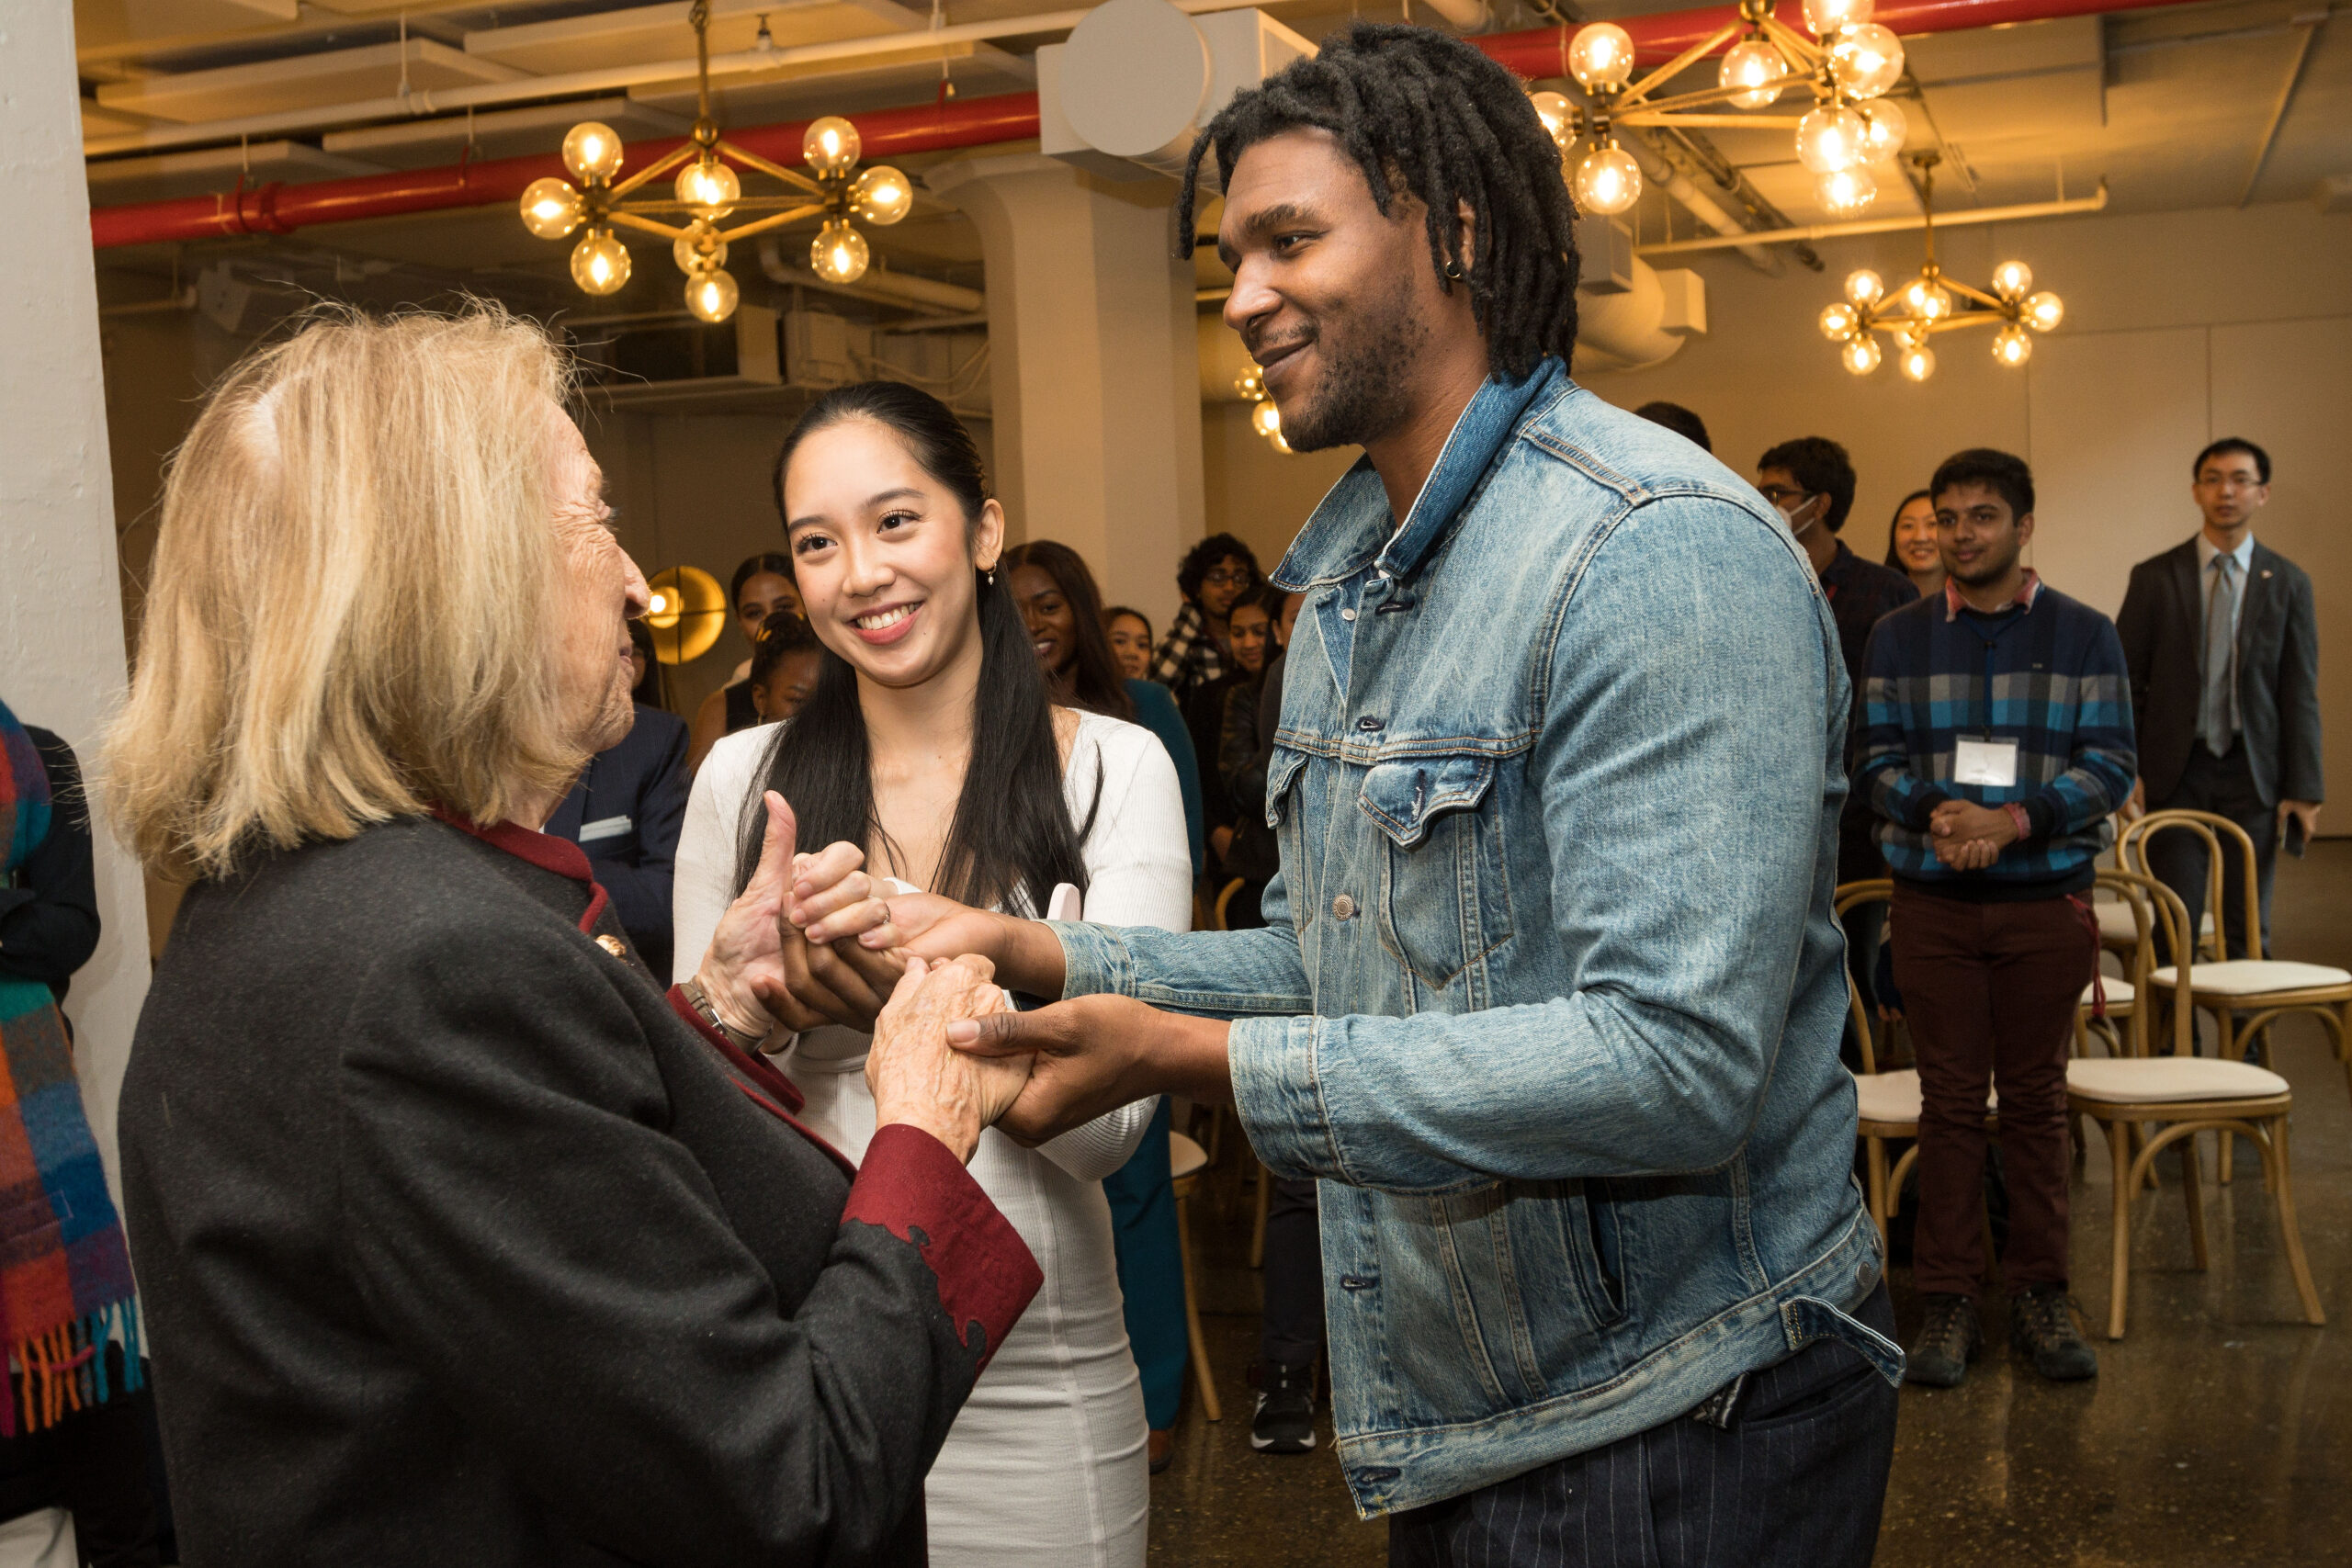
{"type": "Point", "coordinates": [1911, 544]}
{"type": "Point", "coordinates": [762, 586]}
{"type": "Point", "coordinates": [933, 752]}
{"type": "Point", "coordinates": [1810, 481]}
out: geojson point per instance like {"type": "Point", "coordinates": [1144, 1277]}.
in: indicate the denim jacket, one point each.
{"type": "Point", "coordinates": [1550, 993]}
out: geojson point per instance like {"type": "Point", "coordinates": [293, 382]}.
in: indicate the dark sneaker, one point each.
{"type": "Point", "coordinates": [1948, 1341]}
{"type": "Point", "coordinates": [1285, 1420]}
{"type": "Point", "coordinates": [2042, 1325]}
{"type": "Point", "coordinates": [1159, 1449]}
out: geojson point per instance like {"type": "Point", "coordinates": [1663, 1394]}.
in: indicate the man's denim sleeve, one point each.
{"type": "Point", "coordinates": [1687, 772]}
{"type": "Point", "coordinates": [1213, 974]}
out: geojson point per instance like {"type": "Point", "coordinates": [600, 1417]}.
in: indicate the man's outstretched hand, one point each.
{"type": "Point", "coordinates": [1095, 1055]}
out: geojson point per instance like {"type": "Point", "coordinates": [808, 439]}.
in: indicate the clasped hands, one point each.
{"type": "Point", "coordinates": [1968, 837]}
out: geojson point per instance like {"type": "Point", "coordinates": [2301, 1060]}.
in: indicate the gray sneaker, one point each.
{"type": "Point", "coordinates": [1948, 1341]}
{"type": "Point", "coordinates": [2042, 1326]}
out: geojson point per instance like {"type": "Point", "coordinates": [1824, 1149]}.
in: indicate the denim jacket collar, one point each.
{"type": "Point", "coordinates": [1351, 528]}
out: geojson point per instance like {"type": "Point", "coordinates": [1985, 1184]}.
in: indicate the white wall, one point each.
{"type": "Point", "coordinates": [2180, 327]}
{"type": "Point", "coordinates": [60, 622]}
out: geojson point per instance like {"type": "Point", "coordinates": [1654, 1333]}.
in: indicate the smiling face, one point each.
{"type": "Point", "coordinates": [1224, 581]}
{"type": "Point", "coordinates": [598, 590]}
{"type": "Point", "coordinates": [1252, 629]}
{"type": "Point", "coordinates": [1979, 536]}
{"type": "Point", "coordinates": [1914, 536]}
{"type": "Point", "coordinates": [885, 554]}
{"type": "Point", "coordinates": [1335, 300]}
{"type": "Point", "coordinates": [1053, 625]}
{"type": "Point", "coordinates": [1130, 646]}
{"type": "Point", "coordinates": [765, 593]}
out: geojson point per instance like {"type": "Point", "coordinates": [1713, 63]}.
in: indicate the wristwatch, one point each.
{"type": "Point", "coordinates": [700, 999]}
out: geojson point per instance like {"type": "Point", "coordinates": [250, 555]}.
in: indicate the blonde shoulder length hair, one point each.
{"type": "Point", "coordinates": [349, 615]}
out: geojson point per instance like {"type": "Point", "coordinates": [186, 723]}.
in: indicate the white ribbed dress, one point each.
{"type": "Point", "coordinates": [1046, 1462]}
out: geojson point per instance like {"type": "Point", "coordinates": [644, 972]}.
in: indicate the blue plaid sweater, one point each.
{"type": "Point", "coordinates": [2048, 673]}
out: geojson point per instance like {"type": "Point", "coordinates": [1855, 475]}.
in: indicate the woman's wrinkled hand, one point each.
{"type": "Point", "coordinates": [744, 972]}
{"type": "Point", "coordinates": [916, 1078]}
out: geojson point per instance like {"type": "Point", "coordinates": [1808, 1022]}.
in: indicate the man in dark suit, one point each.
{"type": "Point", "coordinates": [626, 811]}
{"type": "Point", "coordinates": [2224, 650]}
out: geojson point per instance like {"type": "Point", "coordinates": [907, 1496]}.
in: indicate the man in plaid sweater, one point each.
{"type": "Point", "coordinates": [1997, 739]}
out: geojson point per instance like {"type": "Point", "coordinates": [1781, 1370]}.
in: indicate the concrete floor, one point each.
{"type": "Point", "coordinates": [2219, 1432]}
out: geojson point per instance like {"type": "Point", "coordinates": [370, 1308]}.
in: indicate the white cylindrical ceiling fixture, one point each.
{"type": "Point", "coordinates": [1133, 75]}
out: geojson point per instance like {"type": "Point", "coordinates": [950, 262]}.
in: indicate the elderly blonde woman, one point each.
{"type": "Point", "coordinates": [461, 1240]}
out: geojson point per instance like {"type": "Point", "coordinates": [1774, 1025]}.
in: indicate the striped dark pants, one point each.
{"type": "Point", "coordinates": [1795, 1481]}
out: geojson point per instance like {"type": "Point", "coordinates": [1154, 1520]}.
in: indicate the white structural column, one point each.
{"type": "Point", "coordinates": [62, 664]}
{"type": "Point", "coordinates": [1094, 369]}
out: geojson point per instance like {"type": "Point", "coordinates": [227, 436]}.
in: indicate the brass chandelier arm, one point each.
{"type": "Point", "coordinates": [1699, 99]}
{"type": "Point", "coordinates": [1713, 121]}
{"type": "Point", "coordinates": [790, 215]}
{"type": "Point", "coordinates": [631, 220]}
{"type": "Point", "coordinates": [670, 160]}
{"type": "Point", "coordinates": [740, 204]}
{"type": "Point", "coordinates": [1668, 72]}
{"type": "Point", "coordinates": [1991, 302]}
{"type": "Point", "coordinates": [1798, 48]}
{"type": "Point", "coordinates": [792, 178]}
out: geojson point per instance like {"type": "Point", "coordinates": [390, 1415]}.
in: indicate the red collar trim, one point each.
{"type": "Point", "coordinates": [542, 850]}
{"type": "Point", "coordinates": [2028, 592]}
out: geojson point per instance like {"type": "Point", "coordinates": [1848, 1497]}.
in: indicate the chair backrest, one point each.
{"type": "Point", "coordinates": [2132, 854]}
{"type": "Point", "coordinates": [2172, 915]}
{"type": "Point", "coordinates": [1852, 896]}
{"type": "Point", "coordinates": [1223, 902]}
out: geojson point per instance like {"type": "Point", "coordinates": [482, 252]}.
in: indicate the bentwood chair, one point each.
{"type": "Point", "coordinates": [2244, 996]}
{"type": "Point", "coordinates": [1186, 1160]}
{"type": "Point", "coordinates": [2157, 1100]}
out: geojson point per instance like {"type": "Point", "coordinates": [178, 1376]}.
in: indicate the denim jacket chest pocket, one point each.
{"type": "Point", "coordinates": [1444, 901]}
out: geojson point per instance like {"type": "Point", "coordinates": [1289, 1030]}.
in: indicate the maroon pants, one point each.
{"type": "Point", "coordinates": [1989, 991]}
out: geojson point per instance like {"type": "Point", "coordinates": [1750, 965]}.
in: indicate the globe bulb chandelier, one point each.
{"type": "Point", "coordinates": [707, 188]}
{"type": "Point", "coordinates": [1934, 302]}
{"type": "Point", "coordinates": [1264, 417]}
{"type": "Point", "coordinates": [1845, 67]}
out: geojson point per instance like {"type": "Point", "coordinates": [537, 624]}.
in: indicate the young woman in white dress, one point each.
{"type": "Point", "coordinates": [931, 745]}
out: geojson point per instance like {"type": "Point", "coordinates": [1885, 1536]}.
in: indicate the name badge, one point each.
{"type": "Point", "coordinates": [1993, 762]}
{"type": "Point", "coordinates": [605, 827]}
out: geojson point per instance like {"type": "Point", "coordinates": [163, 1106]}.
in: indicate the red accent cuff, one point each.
{"type": "Point", "coordinates": [911, 1186]}
{"type": "Point", "coordinates": [2017, 816]}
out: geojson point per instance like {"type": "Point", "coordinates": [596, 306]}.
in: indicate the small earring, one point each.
{"type": "Point", "coordinates": [991, 577]}
{"type": "Point", "coordinates": [1452, 272]}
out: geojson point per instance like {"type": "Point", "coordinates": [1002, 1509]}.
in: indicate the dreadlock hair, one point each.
{"type": "Point", "coordinates": [1426, 113]}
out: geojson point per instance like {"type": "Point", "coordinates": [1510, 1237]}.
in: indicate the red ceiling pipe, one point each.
{"type": "Point", "coordinates": [964, 122]}
{"type": "Point", "coordinates": [278, 209]}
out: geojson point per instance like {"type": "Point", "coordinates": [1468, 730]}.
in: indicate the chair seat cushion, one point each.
{"type": "Point", "coordinates": [2117, 924]}
{"type": "Point", "coordinates": [2252, 977]}
{"type": "Point", "coordinates": [2118, 992]}
{"type": "Point", "coordinates": [1186, 1158]}
{"type": "Point", "coordinates": [1895, 1097]}
{"type": "Point", "coordinates": [2134, 1080]}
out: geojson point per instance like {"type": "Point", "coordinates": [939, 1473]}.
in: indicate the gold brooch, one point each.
{"type": "Point", "coordinates": [613, 945]}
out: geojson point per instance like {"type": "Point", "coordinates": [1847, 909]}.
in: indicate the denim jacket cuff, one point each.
{"type": "Point", "coordinates": [1095, 961]}
{"type": "Point", "coordinates": [1276, 1092]}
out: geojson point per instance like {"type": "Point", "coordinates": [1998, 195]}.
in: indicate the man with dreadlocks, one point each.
{"type": "Point", "coordinates": [1549, 992]}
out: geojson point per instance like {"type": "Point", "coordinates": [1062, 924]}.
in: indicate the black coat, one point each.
{"type": "Point", "coordinates": [2161, 625]}
{"type": "Point", "coordinates": [459, 1245]}
{"type": "Point", "coordinates": [49, 919]}
{"type": "Point", "coordinates": [626, 811]}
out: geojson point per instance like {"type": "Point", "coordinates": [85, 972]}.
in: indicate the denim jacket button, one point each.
{"type": "Point", "coordinates": [1342, 908]}
{"type": "Point", "coordinates": [1347, 615]}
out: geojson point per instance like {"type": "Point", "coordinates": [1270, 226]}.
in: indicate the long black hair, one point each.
{"type": "Point", "coordinates": [1095, 682]}
{"type": "Point", "coordinates": [1012, 837]}
{"type": "Point", "coordinates": [1894, 560]}
{"type": "Point", "coordinates": [1411, 105]}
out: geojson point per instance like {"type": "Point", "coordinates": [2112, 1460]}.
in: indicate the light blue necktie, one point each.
{"type": "Point", "coordinates": [2216, 720]}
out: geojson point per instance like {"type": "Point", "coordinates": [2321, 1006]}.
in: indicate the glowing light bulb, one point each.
{"type": "Point", "coordinates": [1864, 286]}
{"type": "Point", "coordinates": [1826, 17]}
{"type": "Point", "coordinates": [1860, 354]}
{"type": "Point", "coordinates": [699, 247]}
{"type": "Point", "coordinates": [2044, 311]}
{"type": "Point", "coordinates": [592, 152]}
{"type": "Point", "coordinates": [2012, 345]}
{"type": "Point", "coordinates": [1601, 57]}
{"type": "Point", "coordinates": [2012, 280]}
{"type": "Point", "coordinates": [1830, 138]}
{"type": "Point", "coordinates": [831, 145]}
{"type": "Point", "coordinates": [552, 208]}
{"type": "Point", "coordinates": [1756, 67]}
{"type": "Point", "coordinates": [1918, 361]}
{"type": "Point", "coordinates": [1264, 418]}
{"type": "Point", "coordinates": [1250, 384]}
{"type": "Point", "coordinates": [711, 295]}
{"type": "Point", "coordinates": [1559, 117]}
{"type": "Point", "coordinates": [1926, 298]}
{"type": "Point", "coordinates": [710, 187]}
{"type": "Point", "coordinates": [1607, 181]}
{"type": "Point", "coordinates": [600, 262]}
{"type": "Point", "coordinates": [656, 603]}
{"type": "Point", "coordinates": [1838, 320]}
{"type": "Point", "coordinates": [838, 253]}
{"type": "Point", "coordinates": [1884, 128]}
{"type": "Point", "coordinates": [1846, 193]}
{"type": "Point", "coordinates": [1866, 59]}
{"type": "Point", "coordinates": [882, 195]}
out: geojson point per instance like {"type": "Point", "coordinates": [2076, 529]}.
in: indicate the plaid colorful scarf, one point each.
{"type": "Point", "coordinates": [65, 1286]}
